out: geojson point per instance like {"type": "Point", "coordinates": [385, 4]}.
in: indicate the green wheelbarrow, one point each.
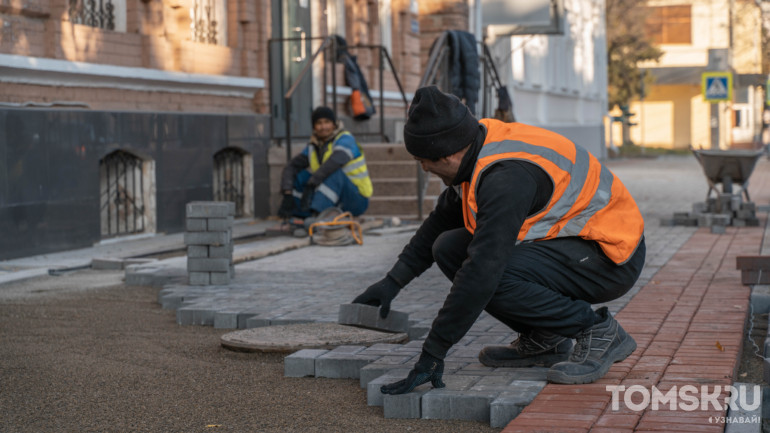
{"type": "Point", "coordinates": [729, 168]}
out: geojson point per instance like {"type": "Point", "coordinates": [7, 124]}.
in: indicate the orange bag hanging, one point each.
{"type": "Point", "coordinates": [357, 106]}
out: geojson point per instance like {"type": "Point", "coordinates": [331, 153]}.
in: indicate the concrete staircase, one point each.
{"type": "Point", "coordinates": [394, 176]}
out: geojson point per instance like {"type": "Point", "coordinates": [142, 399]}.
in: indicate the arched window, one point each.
{"type": "Point", "coordinates": [233, 179]}
{"type": "Point", "coordinates": [126, 202]}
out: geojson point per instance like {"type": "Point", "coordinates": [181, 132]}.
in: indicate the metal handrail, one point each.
{"type": "Point", "coordinates": [293, 88]}
{"type": "Point", "coordinates": [330, 42]}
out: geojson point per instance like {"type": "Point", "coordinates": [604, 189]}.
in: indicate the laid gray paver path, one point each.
{"type": "Point", "coordinates": [271, 291]}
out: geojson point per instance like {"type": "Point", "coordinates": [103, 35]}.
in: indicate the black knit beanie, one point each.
{"type": "Point", "coordinates": [323, 113]}
{"type": "Point", "coordinates": [439, 124]}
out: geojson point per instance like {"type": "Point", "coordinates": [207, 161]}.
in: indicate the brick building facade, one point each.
{"type": "Point", "coordinates": [178, 92]}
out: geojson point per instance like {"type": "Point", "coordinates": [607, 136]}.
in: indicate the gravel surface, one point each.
{"type": "Point", "coordinates": [82, 352]}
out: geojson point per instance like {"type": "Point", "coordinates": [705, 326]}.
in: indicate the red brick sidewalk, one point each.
{"type": "Point", "coordinates": [688, 323]}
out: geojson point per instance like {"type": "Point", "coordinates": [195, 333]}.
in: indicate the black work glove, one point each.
{"type": "Point", "coordinates": [307, 197]}
{"type": "Point", "coordinates": [380, 294]}
{"type": "Point", "coordinates": [287, 206]}
{"type": "Point", "coordinates": [428, 368]}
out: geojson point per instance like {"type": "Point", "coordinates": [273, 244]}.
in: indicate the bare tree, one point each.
{"type": "Point", "coordinates": [627, 45]}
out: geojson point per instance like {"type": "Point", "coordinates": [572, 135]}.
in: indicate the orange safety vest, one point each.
{"type": "Point", "coordinates": [588, 200]}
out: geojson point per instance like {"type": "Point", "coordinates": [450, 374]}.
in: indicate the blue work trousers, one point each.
{"type": "Point", "coordinates": [336, 190]}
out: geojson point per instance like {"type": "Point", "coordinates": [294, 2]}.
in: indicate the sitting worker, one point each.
{"type": "Point", "coordinates": [533, 229]}
{"type": "Point", "coordinates": [330, 171]}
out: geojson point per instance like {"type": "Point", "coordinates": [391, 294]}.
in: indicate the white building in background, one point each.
{"type": "Point", "coordinates": [557, 81]}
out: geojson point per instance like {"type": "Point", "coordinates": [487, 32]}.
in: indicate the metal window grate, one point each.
{"type": "Point", "coordinates": [94, 13]}
{"type": "Point", "coordinates": [122, 197]}
{"type": "Point", "coordinates": [229, 178]}
{"type": "Point", "coordinates": [204, 21]}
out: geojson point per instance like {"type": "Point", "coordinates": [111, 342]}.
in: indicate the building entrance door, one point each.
{"type": "Point", "coordinates": [290, 51]}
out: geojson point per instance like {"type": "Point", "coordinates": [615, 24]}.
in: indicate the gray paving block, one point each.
{"type": "Point", "coordinates": [743, 411]}
{"type": "Point", "coordinates": [472, 405]}
{"type": "Point", "coordinates": [405, 405]}
{"type": "Point", "coordinates": [373, 395]}
{"type": "Point", "coordinates": [207, 238]}
{"type": "Point", "coordinates": [522, 392]}
{"type": "Point", "coordinates": [243, 316]}
{"type": "Point", "coordinates": [341, 367]}
{"type": "Point", "coordinates": [256, 321]}
{"type": "Point", "coordinates": [208, 265]}
{"type": "Point", "coordinates": [219, 252]}
{"type": "Point", "coordinates": [418, 332]}
{"type": "Point", "coordinates": [492, 383]}
{"type": "Point", "coordinates": [137, 261]}
{"type": "Point", "coordinates": [208, 209]}
{"type": "Point", "coordinates": [199, 278]}
{"type": "Point", "coordinates": [528, 374]}
{"type": "Point", "coordinates": [368, 316]}
{"type": "Point", "coordinates": [302, 362]}
{"type": "Point", "coordinates": [226, 319]}
{"type": "Point", "coordinates": [722, 219]}
{"type": "Point", "coordinates": [344, 362]}
{"type": "Point", "coordinates": [458, 382]}
{"type": "Point", "coordinates": [171, 301]}
{"type": "Point", "coordinates": [376, 369]}
{"type": "Point", "coordinates": [219, 224]}
{"type": "Point", "coordinates": [220, 278]}
{"type": "Point", "coordinates": [195, 224]}
{"type": "Point", "coordinates": [195, 315]}
{"type": "Point", "coordinates": [276, 322]}
{"type": "Point", "coordinates": [437, 404]}
{"type": "Point", "coordinates": [107, 263]}
{"type": "Point", "coordinates": [144, 277]}
{"type": "Point", "coordinates": [502, 410]}
{"type": "Point", "coordinates": [197, 251]}
{"type": "Point", "coordinates": [463, 405]}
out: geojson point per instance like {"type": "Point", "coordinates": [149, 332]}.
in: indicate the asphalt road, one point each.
{"type": "Point", "coordinates": [83, 352]}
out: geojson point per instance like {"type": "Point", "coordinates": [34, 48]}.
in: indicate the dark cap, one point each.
{"type": "Point", "coordinates": [323, 113]}
{"type": "Point", "coordinates": [439, 124]}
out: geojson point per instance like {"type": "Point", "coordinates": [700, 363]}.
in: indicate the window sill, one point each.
{"type": "Point", "coordinates": [54, 72]}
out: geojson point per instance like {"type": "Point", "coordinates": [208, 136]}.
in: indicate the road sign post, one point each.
{"type": "Point", "coordinates": [716, 87]}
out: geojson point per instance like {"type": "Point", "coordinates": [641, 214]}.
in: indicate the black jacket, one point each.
{"type": "Point", "coordinates": [508, 192]}
{"type": "Point", "coordinates": [464, 75]}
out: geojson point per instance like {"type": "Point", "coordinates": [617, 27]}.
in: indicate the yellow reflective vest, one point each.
{"type": "Point", "coordinates": [355, 169]}
{"type": "Point", "coordinates": [588, 200]}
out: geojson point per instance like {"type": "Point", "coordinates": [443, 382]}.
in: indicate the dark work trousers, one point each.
{"type": "Point", "coordinates": [547, 285]}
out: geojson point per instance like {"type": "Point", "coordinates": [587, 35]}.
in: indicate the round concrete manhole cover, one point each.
{"type": "Point", "coordinates": [290, 338]}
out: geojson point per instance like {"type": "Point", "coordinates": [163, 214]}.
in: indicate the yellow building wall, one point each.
{"type": "Point", "coordinates": [701, 124]}
{"type": "Point", "coordinates": [666, 118]}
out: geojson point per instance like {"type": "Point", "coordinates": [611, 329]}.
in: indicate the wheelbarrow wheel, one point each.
{"type": "Point", "coordinates": [727, 185]}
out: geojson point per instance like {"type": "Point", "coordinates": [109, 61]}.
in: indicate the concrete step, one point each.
{"type": "Point", "coordinates": [386, 152]}
{"type": "Point", "coordinates": [399, 205]}
{"type": "Point", "coordinates": [405, 186]}
{"type": "Point", "coordinates": [392, 169]}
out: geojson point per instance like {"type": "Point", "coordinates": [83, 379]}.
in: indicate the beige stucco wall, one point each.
{"type": "Point", "coordinates": [676, 116]}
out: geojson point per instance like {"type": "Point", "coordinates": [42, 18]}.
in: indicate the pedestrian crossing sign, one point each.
{"type": "Point", "coordinates": [717, 86]}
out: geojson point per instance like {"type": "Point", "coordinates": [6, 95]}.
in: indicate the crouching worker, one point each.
{"type": "Point", "coordinates": [533, 229]}
{"type": "Point", "coordinates": [330, 171]}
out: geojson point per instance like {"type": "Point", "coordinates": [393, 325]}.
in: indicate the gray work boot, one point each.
{"type": "Point", "coordinates": [534, 348]}
{"type": "Point", "coordinates": [597, 348]}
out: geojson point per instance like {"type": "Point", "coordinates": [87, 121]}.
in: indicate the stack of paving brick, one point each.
{"type": "Point", "coordinates": [718, 213]}
{"type": "Point", "coordinates": [209, 241]}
